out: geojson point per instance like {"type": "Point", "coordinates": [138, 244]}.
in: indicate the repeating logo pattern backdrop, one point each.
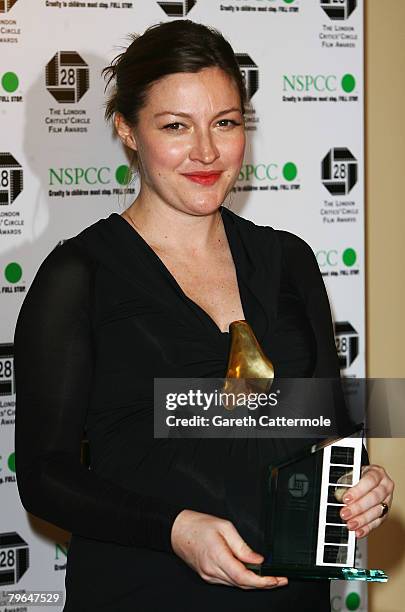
{"type": "Point", "coordinates": [61, 169]}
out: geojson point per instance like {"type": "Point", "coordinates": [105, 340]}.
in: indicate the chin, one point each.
{"type": "Point", "coordinates": [207, 208]}
{"type": "Point", "coordinates": [209, 204]}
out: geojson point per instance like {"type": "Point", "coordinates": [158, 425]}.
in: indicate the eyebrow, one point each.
{"type": "Point", "coordinates": [180, 114]}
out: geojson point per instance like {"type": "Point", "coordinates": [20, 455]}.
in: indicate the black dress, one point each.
{"type": "Point", "coordinates": [103, 317]}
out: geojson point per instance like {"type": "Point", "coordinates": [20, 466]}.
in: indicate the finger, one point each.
{"type": "Point", "coordinates": [236, 571]}
{"type": "Point", "coordinates": [239, 575]}
{"type": "Point", "coordinates": [365, 518]}
{"type": "Point", "coordinates": [363, 530]}
{"type": "Point", "coordinates": [370, 479]}
{"type": "Point", "coordinates": [386, 481]}
{"type": "Point", "coordinates": [370, 500]}
{"type": "Point", "coordinates": [239, 547]}
{"type": "Point", "coordinates": [213, 568]}
{"type": "Point", "coordinates": [246, 579]}
{"type": "Point", "coordinates": [242, 577]}
{"type": "Point", "coordinates": [238, 579]}
{"type": "Point", "coordinates": [217, 575]}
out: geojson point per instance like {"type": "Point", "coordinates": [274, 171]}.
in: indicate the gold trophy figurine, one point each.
{"type": "Point", "coordinates": [249, 370]}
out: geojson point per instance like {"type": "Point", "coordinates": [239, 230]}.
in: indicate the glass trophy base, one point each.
{"type": "Point", "coordinates": [300, 572]}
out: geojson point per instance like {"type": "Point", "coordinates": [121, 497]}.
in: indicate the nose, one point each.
{"type": "Point", "coordinates": [204, 148]}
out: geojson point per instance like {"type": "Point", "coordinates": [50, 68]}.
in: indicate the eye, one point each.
{"type": "Point", "coordinates": [172, 126]}
{"type": "Point", "coordinates": [230, 122]}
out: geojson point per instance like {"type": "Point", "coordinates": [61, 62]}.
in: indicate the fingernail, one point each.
{"type": "Point", "coordinates": [345, 513]}
{"type": "Point", "coordinates": [359, 533]}
{"type": "Point", "coordinates": [347, 499]}
{"type": "Point", "coordinates": [352, 524]}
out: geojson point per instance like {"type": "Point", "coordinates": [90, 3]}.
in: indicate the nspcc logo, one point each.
{"type": "Point", "coordinates": [338, 9]}
{"type": "Point", "coordinates": [90, 181]}
{"type": "Point", "coordinates": [268, 172]}
{"type": "Point", "coordinates": [347, 343]}
{"type": "Point", "coordinates": [11, 178]}
{"type": "Point", "coordinates": [14, 557]}
{"type": "Point", "coordinates": [177, 9]}
{"type": "Point", "coordinates": [6, 5]}
{"type": "Point", "coordinates": [67, 77]}
{"type": "Point", "coordinates": [7, 379]}
{"type": "Point", "coordinates": [250, 73]}
{"type": "Point", "coordinates": [339, 171]}
{"type": "Point", "coordinates": [328, 83]}
{"type": "Point", "coordinates": [332, 257]}
{"type": "Point", "coordinates": [79, 176]}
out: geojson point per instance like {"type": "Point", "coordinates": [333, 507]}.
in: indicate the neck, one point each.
{"type": "Point", "coordinates": [168, 227]}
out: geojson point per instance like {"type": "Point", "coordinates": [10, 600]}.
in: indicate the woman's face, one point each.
{"type": "Point", "coordinates": [190, 140]}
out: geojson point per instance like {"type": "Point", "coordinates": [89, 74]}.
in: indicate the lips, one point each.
{"type": "Point", "coordinates": [203, 178]}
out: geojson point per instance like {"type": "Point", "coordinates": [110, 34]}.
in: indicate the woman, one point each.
{"type": "Point", "coordinates": [150, 293]}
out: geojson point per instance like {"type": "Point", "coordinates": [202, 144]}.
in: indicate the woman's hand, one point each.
{"type": "Point", "coordinates": [215, 550]}
{"type": "Point", "coordinates": [363, 511]}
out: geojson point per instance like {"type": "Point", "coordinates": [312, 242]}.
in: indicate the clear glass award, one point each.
{"type": "Point", "coordinates": [305, 536]}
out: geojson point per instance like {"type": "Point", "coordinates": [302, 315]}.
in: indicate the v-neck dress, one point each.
{"type": "Point", "coordinates": [104, 317]}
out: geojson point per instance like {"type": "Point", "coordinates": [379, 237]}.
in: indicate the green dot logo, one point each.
{"type": "Point", "coordinates": [11, 462]}
{"type": "Point", "coordinates": [13, 272]}
{"type": "Point", "coordinates": [10, 82]}
{"type": "Point", "coordinates": [289, 171]}
{"type": "Point", "coordinates": [288, 1]}
{"type": "Point", "coordinates": [353, 601]}
{"type": "Point", "coordinates": [348, 83]}
{"type": "Point", "coordinates": [349, 257]}
{"type": "Point", "coordinates": [123, 175]}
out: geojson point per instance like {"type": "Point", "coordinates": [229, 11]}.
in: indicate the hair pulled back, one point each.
{"type": "Point", "coordinates": [163, 49]}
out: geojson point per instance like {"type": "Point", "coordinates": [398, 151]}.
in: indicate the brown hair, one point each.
{"type": "Point", "coordinates": [166, 48]}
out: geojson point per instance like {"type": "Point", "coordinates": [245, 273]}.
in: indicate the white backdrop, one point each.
{"type": "Point", "coordinates": [61, 170]}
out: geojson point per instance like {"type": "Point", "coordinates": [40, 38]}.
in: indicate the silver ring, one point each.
{"type": "Point", "coordinates": [385, 509]}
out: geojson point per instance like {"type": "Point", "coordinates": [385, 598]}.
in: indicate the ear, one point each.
{"type": "Point", "coordinates": [125, 132]}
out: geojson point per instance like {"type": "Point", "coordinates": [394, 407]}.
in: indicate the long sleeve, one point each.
{"type": "Point", "coordinates": [54, 361]}
{"type": "Point", "coordinates": [307, 278]}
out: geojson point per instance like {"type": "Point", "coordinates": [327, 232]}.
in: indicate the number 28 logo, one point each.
{"type": "Point", "coordinates": [14, 557]}
{"type": "Point", "coordinates": [67, 77]}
